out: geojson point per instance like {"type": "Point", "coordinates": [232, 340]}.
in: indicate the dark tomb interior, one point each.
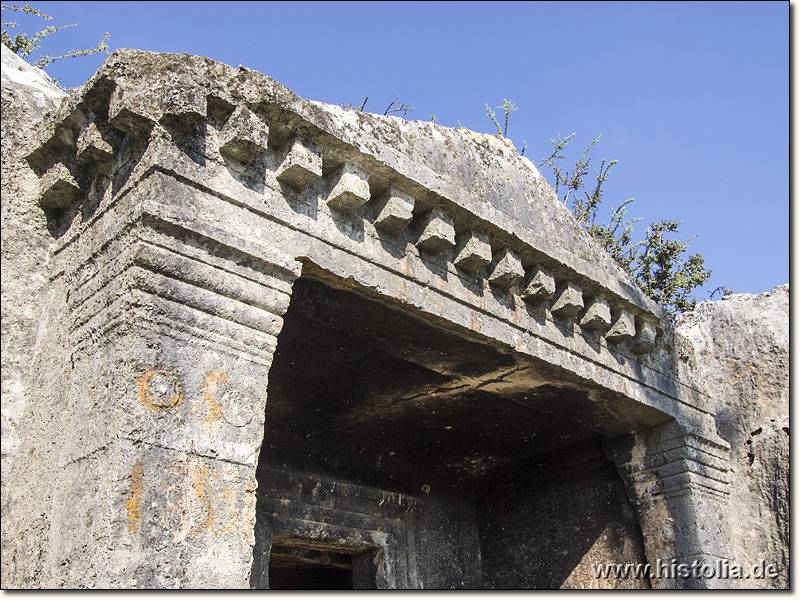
{"type": "Point", "coordinates": [364, 393]}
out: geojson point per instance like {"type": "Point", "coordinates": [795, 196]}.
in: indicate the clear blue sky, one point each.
{"type": "Point", "coordinates": [691, 98]}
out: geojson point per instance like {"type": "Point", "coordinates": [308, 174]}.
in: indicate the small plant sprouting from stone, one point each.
{"type": "Point", "coordinates": [350, 105]}
{"type": "Point", "coordinates": [398, 107]}
{"type": "Point", "coordinates": [723, 291]}
{"type": "Point", "coordinates": [657, 264]}
{"type": "Point", "coordinates": [23, 45]}
{"type": "Point", "coordinates": [394, 107]}
{"type": "Point", "coordinates": [507, 108]}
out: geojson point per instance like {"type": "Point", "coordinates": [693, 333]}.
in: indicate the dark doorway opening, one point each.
{"type": "Point", "coordinates": [293, 568]}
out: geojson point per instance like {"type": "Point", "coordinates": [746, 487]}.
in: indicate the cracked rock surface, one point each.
{"type": "Point", "coordinates": [739, 351]}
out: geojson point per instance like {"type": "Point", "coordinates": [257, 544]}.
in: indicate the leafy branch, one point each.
{"type": "Point", "coordinates": [24, 45]}
{"type": "Point", "coordinates": [507, 108]}
{"type": "Point", "coordinates": [657, 264]}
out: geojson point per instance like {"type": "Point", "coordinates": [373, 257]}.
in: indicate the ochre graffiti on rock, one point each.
{"type": "Point", "coordinates": [134, 503]}
{"type": "Point", "coordinates": [214, 414]}
{"type": "Point", "coordinates": [159, 390]}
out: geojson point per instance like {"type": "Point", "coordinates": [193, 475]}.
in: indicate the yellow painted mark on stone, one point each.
{"type": "Point", "coordinates": [202, 492]}
{"type": "Point", "coordinates": [406, 266]}
{"type": "Point", "coordinates": [209, 398]}
{"type": "Point", "coordinates": [475, 322]}
{"type": "Point", "coordinates": [402, 293]}
{"type": "Point", "coordinates": [159, 390]}
{"type": "Point", "coordinates": [200, 499]}
{"type": "Point", "coordinates": [134, 503]}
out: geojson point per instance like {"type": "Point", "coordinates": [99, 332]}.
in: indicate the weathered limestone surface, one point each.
{"type": "Point", "coordinates": [738, 349]}
{"type": "Point", "coordinates": [433, 330]}
{"type": "Point", "coordinates": [27, 96]}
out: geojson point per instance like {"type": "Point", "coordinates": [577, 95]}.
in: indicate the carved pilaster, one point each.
{"type": "Point", "coordinates": [678, 482]}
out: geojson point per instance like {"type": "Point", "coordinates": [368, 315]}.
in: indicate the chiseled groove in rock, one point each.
{"type": "Point", "coordinates": [205, 301]}
{"type": "Point", "coordinates": [278, 280]}
{"type": "Point", "coordinates": [109, 269]}
{"type": "Point", "coordinates": [224, 335]}
{"type": "Point", "coordinates": [204, 276]}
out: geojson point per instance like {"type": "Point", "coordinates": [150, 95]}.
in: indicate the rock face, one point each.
{"type": "Point", "coordinates": [252, 340]}
{"type": "Point", "coordinates": [28, 96]}
{"type": "Point", "coordinates": [738, 349]}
